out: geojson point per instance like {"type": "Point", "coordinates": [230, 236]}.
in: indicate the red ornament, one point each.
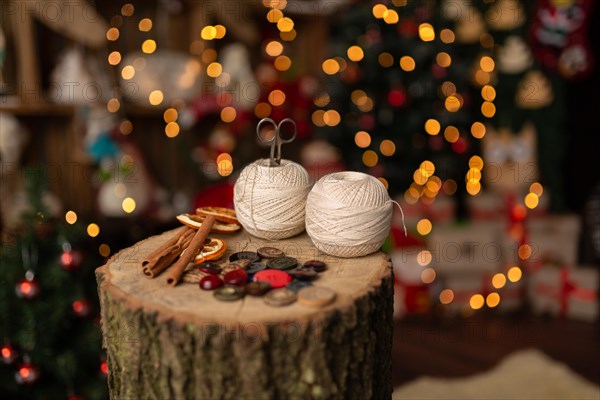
{"type": "Point", "coordinates": [71, 260]}
{"type": "Point", "coordinates": [27, 289]}
{"type": "Point", "coordinates": [7, 354]}
{"type": "Point", "coordinates": [104, 367]}
{"type": "Point", "coordinates": [81, 308]}
{"type": "Point", "coordinates": [460, 146]}
{"type": "Point", "coordinates": [27, 374]}
{"type": "Point", "coordinates": [397, 97]}
{"type": "Point", "coordinates": [75, 397]}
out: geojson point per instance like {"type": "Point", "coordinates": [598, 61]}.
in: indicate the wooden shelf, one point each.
{"type": "Point", "coordinates": [12, 106]}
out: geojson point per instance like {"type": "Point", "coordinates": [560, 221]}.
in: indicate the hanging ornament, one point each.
{"type": "Point", "coordinates": [559, 39]}
{"type": "Point", "coordinates": [81, 307]}
{"type": "Point", "coordinates": [514, 56]}
{"type": "Point", "coordinates": [75, 397]}
{"type": "Point", "coordinates": [8, 354]}
{"type": "Point", "coordinates": [27, 374]}
{"type": "Point", "coordinates": [70, 259]}
{"type": "Point", "coordinates": [534, 91]}
{"type": "Point", "coordinates": [104, 368]}
{"type": "Point", "coordinates": [505, 15]}
{"type": "Point", "coordinates": [28, 288]}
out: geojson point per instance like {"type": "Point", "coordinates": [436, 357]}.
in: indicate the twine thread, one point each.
{"type": "Point", "coordinates": [270, 201]}
{"type": "Point", "coordinates": [349, 214]}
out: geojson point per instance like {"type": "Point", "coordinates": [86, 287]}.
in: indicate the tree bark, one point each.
{"type": "Point", "coordinates": [180, 343]}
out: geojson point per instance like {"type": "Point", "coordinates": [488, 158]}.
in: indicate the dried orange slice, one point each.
{"type": "Point", "coordinates": [222, 214]}
{"type": "Point", "coordinates": [213, 250]}
{"type": "Point", "coordinates": [195, 221]}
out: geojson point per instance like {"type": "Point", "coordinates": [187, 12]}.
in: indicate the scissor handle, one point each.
{"type": "Point", "coordinates": [278, 133]}
{"type": "Point", "coordinates": [277, 140]}
{"type": "Point", "coordinates": [275, 127]}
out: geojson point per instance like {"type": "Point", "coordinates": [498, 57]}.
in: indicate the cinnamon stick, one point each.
{"type": "Point", "coordinates": [188, 255]}
{"type": "Point", "coordinates": [164, 260]}
{"type": "Point", "coordinates": [161, 249]}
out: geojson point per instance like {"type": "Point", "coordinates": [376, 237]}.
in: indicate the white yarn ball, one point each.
{"type": "Point", "coordinates": [348, 214]}
{"type": "Point", "coordinates": [270, 201]}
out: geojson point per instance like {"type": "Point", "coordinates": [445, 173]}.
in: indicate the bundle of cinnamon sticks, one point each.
{"type": "Point", "coordinates": [177, 252]}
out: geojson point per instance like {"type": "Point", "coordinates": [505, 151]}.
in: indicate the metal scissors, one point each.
{"type": "Point", "coordinates": [276, 141]}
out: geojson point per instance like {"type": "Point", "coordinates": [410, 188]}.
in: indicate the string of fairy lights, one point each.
{"type": "Point", "coordinates": [426, 186]}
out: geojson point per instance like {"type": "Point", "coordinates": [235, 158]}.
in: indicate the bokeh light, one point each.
{"type": "Point", "coordinates": [71, 217]}
{"type": "Point", "coordinates": [492, 300]}
{"type": "Point", "coordinates": [387, 148]}
{"type": "Point", "coordinates": [145, 24]}
{"type": "Point", "coordinates": [407, 63]}
{"type": "Point", "coordinates": [428, 275]}
{"type": "Point", "coordinates": [476, 301]}
{"type": "Point", "coordinates": [355, 53]}
{"type": "Point", "coordinates": [432, 126]}
{"type": "Point", "coordinates": [424, 227]}
{"type": "Point", "coordinates": [446, 296]}
{"type": "Point", "coordinates": [499, 280]}
{"type": "Point", "coordinates": [362, 139]}
{"type": "Point", "coordinates": [128, 205]}
{"type": "Point", "coordinates": [148, 46]}
{"type": "Point", "coordinates": [426, 32]}
{"type": "Point", "coordinates": [478, 130]}
{"type": "Point", "coordinates": [172, 129]}
{"type": "Point", "coordinates": [156, 97]}
{"type": "Point", "coordinates": [424, 258]}
{"type": "Point", "coordinates": [514, 274]}
{"type": "Point", "coordinates": [370, 158]}
{"type": "Point", "coordinates": [93, 230]}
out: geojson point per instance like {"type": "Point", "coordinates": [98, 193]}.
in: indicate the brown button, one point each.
{"type": "Point", "coordinates": [270, 252]}
{"type": "Point", "coordinates": [317, 265]}
{"type": "Point", "coordinates": [280, 297]}
{"type": "Point", "coordinates": [304, 274]}
{"type": "Point", "coordinates": [229, 293]}
{"type": "Point", "coordinates": [258, 288]}
{"type": "Point", "coordinates": [316, 296]}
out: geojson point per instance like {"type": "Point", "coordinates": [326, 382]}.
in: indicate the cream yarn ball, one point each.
{"type": "Point", "coordinates": [270, 201]}
{"type": "Point", "coordinates": [348, 214]}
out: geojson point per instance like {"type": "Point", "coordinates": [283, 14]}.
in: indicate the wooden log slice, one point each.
{"type": "Point", "coordinates": [182, 343]}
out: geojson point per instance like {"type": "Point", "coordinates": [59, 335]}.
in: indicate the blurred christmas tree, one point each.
{"type": "Point", "coordinates": [410, 81]}
{"type": "Point", "coordinates": [48, 309]}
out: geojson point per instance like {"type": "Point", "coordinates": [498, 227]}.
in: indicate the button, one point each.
{"type": "Point", "coordinates": [317, 265]}
{"type": "Point", "coordinates": [244, 255]}
{"type": "Point", "coordinates": [282, 263]}
{"type": "Point", "coordinates": [295, 286]}
{"type": "Point", "coordinates": [210, 282]}
{"type": "Point", "coordinates": [277, 279]}
{"type": "Point", "coordinates": [229, 293]}
{"type": "Point", "coordinates": [210, 268]}
{"type": "Point", "coordinates": [303, 274]}
{"type": "Point", "coordinates": [254, 267]}
{"type": "Point", "coordinates": [270, 252]}
{"type": "Point", "coordinates": [258, 288]}
{"type": "Point", "coordinates": [316, 296]}
{"type": "Point", "coordinates": [280, 297]}
{"type": "Point", "coordinates": [237, 277]}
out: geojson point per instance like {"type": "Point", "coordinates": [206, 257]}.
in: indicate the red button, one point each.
{"type": "Point", "coordinates": [237, 277]}
{"type": "Point", "coordinates": [276, 278]}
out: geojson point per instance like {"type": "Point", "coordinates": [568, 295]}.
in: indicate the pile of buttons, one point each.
{"type": "Point", "coordinates": [279, 279]}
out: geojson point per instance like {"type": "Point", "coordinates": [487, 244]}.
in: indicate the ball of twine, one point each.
{"type": "Point", "coordinates": [348, 214]}
{"type": "Point", "coordinates": [270, 201]}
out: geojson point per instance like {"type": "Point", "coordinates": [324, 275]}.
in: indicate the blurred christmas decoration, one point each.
{"type": "Point", "coordinates": [48, 292]}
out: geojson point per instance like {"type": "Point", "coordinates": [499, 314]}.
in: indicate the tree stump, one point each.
{"type": "Point", "coordinates": [182, 343]}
